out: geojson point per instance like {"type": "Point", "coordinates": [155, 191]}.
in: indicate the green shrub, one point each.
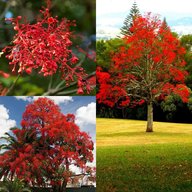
{"type": "Point", "coordinates": [13, 186]}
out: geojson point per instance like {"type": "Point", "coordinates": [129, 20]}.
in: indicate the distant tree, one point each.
{"type": "Point", "coordinates": [186, 41]}
{"type": "Point", "coordinates": [105, 49]}
{"type": "Point", "coordinates": [152, 68]}
{"type": "Point", "coordinates": [128, 22]}
{"type": "Point", "coordinates": [164, 24]}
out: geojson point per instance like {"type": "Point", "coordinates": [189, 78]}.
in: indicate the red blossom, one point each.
{"type": "Point", "coordinates": [28, 149]}
{"type": "Point", "coordinates": [149, 66]}
{"type": "Point", "coordinates": [3, 90]}
{"type": "Point", "coordinates": [5, 75]}
{"type": "Point", "coordinates": [45, 46]}
{"type": "Point", "coordinates": [51, 20]}
{"type": "Point", "coordinates": [80, 91]}
{"type": "Point", "coordinates": [183, 92]}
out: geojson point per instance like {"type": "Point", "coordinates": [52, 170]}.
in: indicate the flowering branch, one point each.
{"type": "Point", "coordinates": [46, 47]}
{"type": "Point", "coordinates": [60, 90]}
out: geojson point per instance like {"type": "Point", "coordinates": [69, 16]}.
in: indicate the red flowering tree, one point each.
{"type": "Point", "coordinates": [43, 151]}
{"type": "Point", "coordinates": [150, 69]}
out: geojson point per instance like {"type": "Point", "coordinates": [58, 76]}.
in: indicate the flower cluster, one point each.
{"type": "Point", "coordinates": [46, 46]}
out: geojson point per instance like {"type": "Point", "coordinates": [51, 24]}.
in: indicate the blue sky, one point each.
{"type": "Point", "coordinates": [111, 13]}
{"type": "Point", "coordinates": [12, 108]}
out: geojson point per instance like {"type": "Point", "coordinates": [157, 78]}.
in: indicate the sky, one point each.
{"type": "Point", "coordinates": [83, 107]}
{"type": "Point", "coordinates": [164, 7]}
{"type": "Point", "coordinates": [111, 13]}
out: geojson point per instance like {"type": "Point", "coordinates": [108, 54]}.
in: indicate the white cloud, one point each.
{"type": "Point", "coordinates": [111, 6]}
{"type": "Point", "coordinates": [159, 6]}
{"type": "Point", "coordinates": [114, 6]}
{"type": "Point", "coordinates": [24, 98]}
{"type": "Point", "coordinates": [57, 99]}
{"type": "Point", "coordinates": [5, 122]}
{"type": "Point", "coordinates": [112, 13]}
{"type": "Point", "coordinates": [182, 30]}
{"type": "Point", "coordinates": [92, 164]}
{"type": "Point", "coordinates": [86, 115]}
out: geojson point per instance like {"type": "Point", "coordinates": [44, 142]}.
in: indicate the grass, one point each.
{"type": "Point", "coordinates": [130, 160]}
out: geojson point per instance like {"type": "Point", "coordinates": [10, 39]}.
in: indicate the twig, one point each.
{"type": "Point", "coordinates": [74, 83]}
{"type": "Point", "coordinates": [50, 83]}
{"type": "Point", "coordinates": [67, 92]}
{"type": "Point", "coordinates": [13, 85]}
{"type": "Point", "coordinates": [61, 90]}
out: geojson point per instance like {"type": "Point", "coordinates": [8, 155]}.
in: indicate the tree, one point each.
{"type": "Point", "coordinates": [186, 41]}
{"type": "Point", "coordinates": [150, 69]}
{"type": "Point", "coordinates": [164, 24]}
{"type": "Point", "coordinates": [105, 49]}
{"type": "Point", "coordinates": [134, 12]}
{"type": "Point", "coordinates": [43, 151]}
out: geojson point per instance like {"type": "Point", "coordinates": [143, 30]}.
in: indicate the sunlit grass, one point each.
{"type": "Point", "coordinates": [130, 160]}
{"type": "Point", "coordinates": [131, 132]}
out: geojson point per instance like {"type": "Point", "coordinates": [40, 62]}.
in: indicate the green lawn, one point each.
{"type": "Point", "coordinates": [130, 160]}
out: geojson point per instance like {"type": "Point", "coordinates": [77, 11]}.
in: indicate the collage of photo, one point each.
{"type": "Point", "coordinates": [95, 95]}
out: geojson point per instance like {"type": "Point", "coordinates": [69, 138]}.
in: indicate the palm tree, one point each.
{"type": "Point", "coordinates": [13, 186]}
{"type": "Point", "coordinates": [10, 148]}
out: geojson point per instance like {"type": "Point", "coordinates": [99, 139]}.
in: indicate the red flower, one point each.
{"type": "Point", "coordinates": [80, 91]}
{"type": "Point", "coordinates": [28, 148]}
{"type": "Point", "coordinates": [46, 48]}
{"type": "Point", "coordinates": [52, 37]}
{"type": "Point", "coordinates": [5, 75]}
{"type": "Point", "coordinates": [74, 59]}
{"type": "Point", "coordinates": [51, 20]}
{"type": "Point", "coordinates": [28, 70]}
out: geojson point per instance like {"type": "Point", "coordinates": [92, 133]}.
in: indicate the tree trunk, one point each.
{"type": "Point", "coordinates": [149, 117]}
{"type": "Point", "coordinates": [63, 187]}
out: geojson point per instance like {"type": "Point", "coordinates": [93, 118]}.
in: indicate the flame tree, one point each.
{"type": "Point", "coordinates": [46, 147]}
{"type": "Point", "coordinates": [150, 66]}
